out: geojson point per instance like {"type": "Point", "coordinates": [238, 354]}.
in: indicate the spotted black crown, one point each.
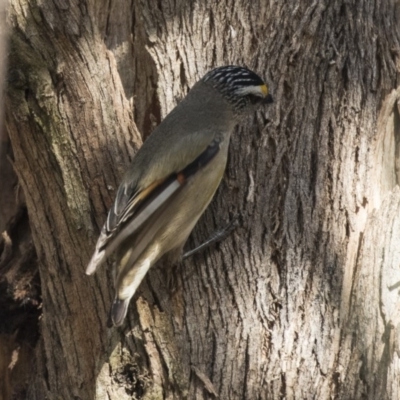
{"type": "Point", "coordinates": [232, 74]}
{"type": "Point", "coordinates": [239, 85]}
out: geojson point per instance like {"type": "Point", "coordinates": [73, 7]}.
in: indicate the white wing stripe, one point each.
{"type": "Point", "coordinates": [142, 217]}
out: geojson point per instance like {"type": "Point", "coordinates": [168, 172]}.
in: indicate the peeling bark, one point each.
{"type": "Point", "coordinates": [301, 301]}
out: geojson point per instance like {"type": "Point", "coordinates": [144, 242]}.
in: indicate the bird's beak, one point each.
{"type": "Point", "coordinates": [268, 99]}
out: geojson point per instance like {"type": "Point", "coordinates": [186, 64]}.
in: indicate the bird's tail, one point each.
{"type": "Point", "coordinates": [99, 255]}
{"type": "Point", "coordinates": [118, 312]}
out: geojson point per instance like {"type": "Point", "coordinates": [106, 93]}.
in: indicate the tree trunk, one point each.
{"type": "Point", "coordinates": [302, 300]}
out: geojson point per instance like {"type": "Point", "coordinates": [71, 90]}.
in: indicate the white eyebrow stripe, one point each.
{"type": "Point", "coordinates": [256, 89]}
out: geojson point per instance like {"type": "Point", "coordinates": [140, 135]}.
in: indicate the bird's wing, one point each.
{"type": "Point", "coordinates": [133, 205]}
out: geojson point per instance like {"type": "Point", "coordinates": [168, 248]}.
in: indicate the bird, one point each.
{"type": "Point", "coordinates": [172, 179]}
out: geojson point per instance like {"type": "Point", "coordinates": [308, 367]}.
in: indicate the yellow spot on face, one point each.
{"type": "Point", "coordinates": [264, 90]}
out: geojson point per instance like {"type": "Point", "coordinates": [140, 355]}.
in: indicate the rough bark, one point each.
{"type": "Point", "coordinates": [301, 301]}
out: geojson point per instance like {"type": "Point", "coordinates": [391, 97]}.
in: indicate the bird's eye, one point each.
{"type": "Point", "coordinates": [254, 99]}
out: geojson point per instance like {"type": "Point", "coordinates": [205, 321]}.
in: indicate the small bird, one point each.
{"type": "Point", "coordinates": [173, 178]}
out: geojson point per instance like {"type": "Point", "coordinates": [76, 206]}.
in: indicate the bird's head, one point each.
{"type": "Point", "coordinates": [241, 87]}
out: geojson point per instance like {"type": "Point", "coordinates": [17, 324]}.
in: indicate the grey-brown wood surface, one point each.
{"type": "Point", "coordinates": [302, 300]}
